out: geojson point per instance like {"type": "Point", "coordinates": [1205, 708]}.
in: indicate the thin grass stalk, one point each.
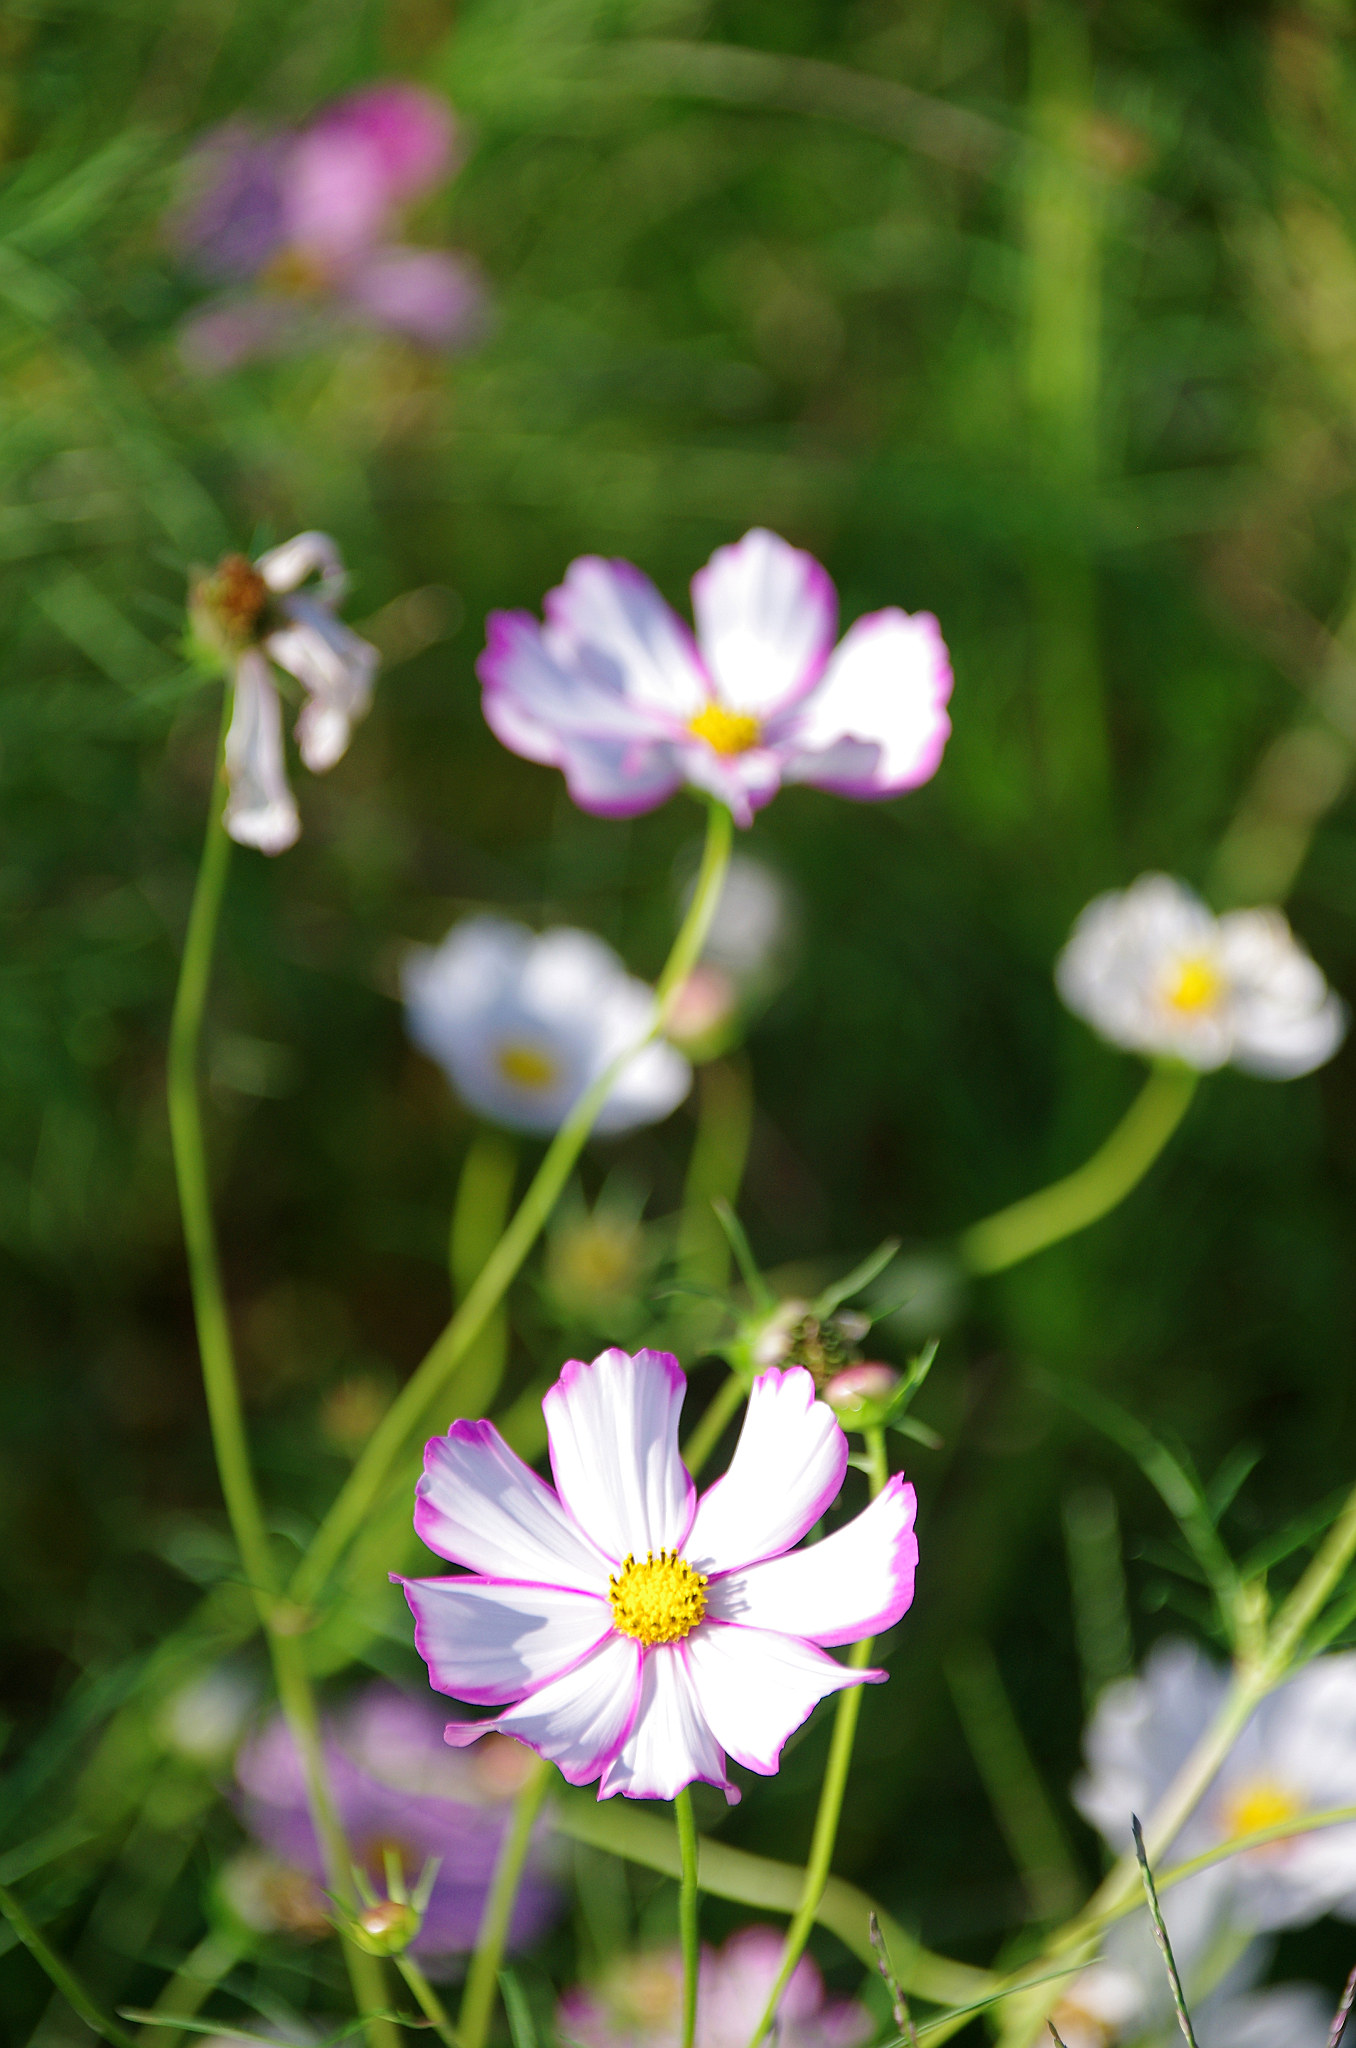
{"type": "Point", "coordinates": [1179, 2004]}
{"type": "Point", "coordinates": [482, 1978]}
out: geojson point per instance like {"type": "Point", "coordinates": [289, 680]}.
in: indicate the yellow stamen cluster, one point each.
{"type": "Point", "coordinates": [657, 1599]}
{"type": "Point", "coordinates": [728, 732]}
{"type": "Point", "coordinates": [526, 1066]}
{"type": "Point", "coordinates": [1197, 986]}
{"type": "Point", "coordinates": [1257, 1803]}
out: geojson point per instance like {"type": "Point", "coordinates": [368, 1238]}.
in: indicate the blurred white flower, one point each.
{"type": "Point", "coordinates": [522, 1024]}
{"type": "Point", "coordinates": [1153, 970]}
{"type": "Point", "coordinates": [1296, 1756]}
{"type": "Point", "coordinates": [254, 613]}
{"type": "Point", "coordinates": [205, 1719]}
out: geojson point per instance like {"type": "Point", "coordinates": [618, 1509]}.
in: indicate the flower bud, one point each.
{"type": "Point", "coordinates": [387, 1928]}
{"type": "Point", "coordinates": [859, 1388]}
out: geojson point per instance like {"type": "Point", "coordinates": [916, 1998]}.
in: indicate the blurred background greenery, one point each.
{"type": "Point", "coordinates": [1040, 316]}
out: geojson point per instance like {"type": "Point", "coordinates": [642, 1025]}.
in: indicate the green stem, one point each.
{"type": "Point", "coordinates": [482, 1979]}
{"type": "Point", "coordinates": [430, 2004]}
{"type": "Point", "coordinates": [187, 1991]}
{"type": "Point", "coordinates": [1085, 1196]}
{"type": "Point", "coordinates": [60, 1974]}
{"type": "Point", "coordinates": [479, 1213]}
{"type": "Point", "coordinates": [715, 1169]}
{"type": "Point", "coordinates": [413, 1409]}
{"type": "Point", "coordinates": [688, 1931]}
{"type": "Point", "coordinates": [709, 1431]}
{"type": "Point", "coordinates": [221, 1384]}
{"type": "Point", "coordinates": [846, 1713]}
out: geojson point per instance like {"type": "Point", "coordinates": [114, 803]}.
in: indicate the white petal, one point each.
{"type": "Point", "coordinates": [306, 554]}
{"type": "Point", "coordinates": [613, 1427]}
{"type": "Point", "coordinates": [489, 1640]}
{"type": "Point", "coordinates": [1286, 1020]}
{"type": "Point", "coordinates": [260, 810]}
{"type": "Point", "coordinates": [1124, 954]}
{"type": "Point", "coordinates": [335, 667]}
{"type": "Point", "coordinates": [578, 1720]}
{"type": "Point", "coordinates": [647, 1090]}
{"type": "Point", "coordinates": [669, 1744]}
{"type": "Point", "coordinates": [854, 1584]}
{"type": "Point", "coordinates": [480, 1505]}
{"type": "Point", "coordinates": [876, 722]}
{"type": "Point", "coordinates": [766, 618]}
{"type": "Point", "coordinates": [754, 1687]}
{"type": "Point", "coordinates": [786, 1470]}
{"type": "Point", "coordinates": [613, 623]}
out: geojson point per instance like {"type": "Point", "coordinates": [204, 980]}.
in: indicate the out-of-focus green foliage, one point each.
{"type": "Point", "coordinates": [1037, 316]}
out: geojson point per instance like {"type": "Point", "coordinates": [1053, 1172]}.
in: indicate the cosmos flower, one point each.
{"type": "Point", "coordinates": [639, 2003]}
{"type": "Point", "coordinates": [301, 227]}
{"type": "Point", "coordinates": [617, 692]}
{"type": "Point", "coordinates": [1297, 1755]}
{"type": "Point", "coordinates": [396, 1785]}
{"type": "Point", "coordinates": [629, 1631]}
{"type": "Point", "coordinates": [250, 613]}
{"type": "Point", "coordinates": [523, 1024]}
{"type": "Point", "coordinates": [1152, 970]}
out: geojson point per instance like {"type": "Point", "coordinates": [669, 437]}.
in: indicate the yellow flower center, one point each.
{"type": "Point", "coordinates": [728, 732]}
{"type": "Point", "coordinates": [527, 1066]}
{"type": "Point", "coordinates": [297, 274]}
{"type": "Point", "coordinates": [658, 1599]}
{"type": "Point", "coordinates": [1257, 1803]}
{"type": "Point", "coordinates": [1197, 985]}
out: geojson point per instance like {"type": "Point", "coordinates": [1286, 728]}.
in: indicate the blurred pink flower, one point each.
{"type": "Point", "coordinates": [639, 2003]}
{"type": "Point", "coordinates": [302, 229]}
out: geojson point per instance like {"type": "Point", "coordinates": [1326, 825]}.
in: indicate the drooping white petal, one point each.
{"type": "Point", "coordinates": [490, 1640]}
{"type": "Point", "coordinates": [613, 1427]}
{"type": "Point", "coordinates": [306, 554]}
{"type": "Point", "coordinates": [876, 723]}
{"type": "Point", "coordinates": [766, 616]}
{"type": "Point", "coordinates": [334, 666]}
{"type": "Point", "coordinates": [786, 1470]}
{"type": "Point", "coordinates": [1286, 1020]}
{"type": "Point", "coordinates": [578, 1720]}
{"type": "Point", "coordinates": [754, 1687]}
{"type": "Point", "coordinates": [669, 1744]}
{"type": "Point", "coordinates": [260, 810]}
{"type": "Point", "coordinates": [613, 623]}
{"type": "Point", "coordinates": [480, 1505]}
{"type": "Point", "coordinates": [854, 1584]}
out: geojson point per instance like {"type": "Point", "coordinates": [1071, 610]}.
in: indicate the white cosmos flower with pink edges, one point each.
{"type": "Point", "coordinates": [630, 1632]}
{"type": "Point", "coordinates": [617, 691]}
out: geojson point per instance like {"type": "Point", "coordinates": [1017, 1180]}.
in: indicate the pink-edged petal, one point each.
{"type": "Point", "coordinates": [886, 689]}
{"type": "Point", "coordinates": [617, 757]}
{"type": "Point", "coordinates": [480, 1505]}
{"type": "Point", "coordinates": [754, 1687]}
{"type": "Point", "coordinates": [744, 783]}
{"type": "Point", "coordinates": [669, 1744]}
{"type": "Point", "coordinates": [766, 617]}
{"type": "Point", "coordinates": [260, 810]}
{"type": "Point", "coordinates": [579, 1720]}
{"type": "Point", "coordinates": [611, 621]}
{"type": "Point", "coordinates": [613, 1427]}
{"type": "Point", "coordinates": [853, 1584]}
{"type": "Point", "coordinates": [313, 553]}
{"type": "Point", "coordinates": [786, 1470]}
{"type": "Point", "coordinates": [490, 1640]}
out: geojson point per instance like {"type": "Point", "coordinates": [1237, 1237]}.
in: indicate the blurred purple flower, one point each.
{"type": "Point", "coordinates": [398, 1785]}
{"type": "Point", "coordinates": [303, 225]}
{"type": "Point", "coordinates": [639, 2004]}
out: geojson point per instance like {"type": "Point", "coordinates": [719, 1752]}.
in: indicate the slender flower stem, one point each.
{"type": "Point", "coordinates": [430, 2004]}
{"type": "Point", "coordinates": [222, 1387]}
{"type": "Point", "coordinates": [414, 1409]}
{"type": "Point", "coordinates": [711, 1428]}
{"type": "Point", "coordinates": [482, 1979]}
{"type": "Point", "coordinates": [846, 1714]}
{"type": "Point", "coordinates": [688, 1932]}
{"type": "Point", "coordinates": [1083, 1197]}
{"type": "Point", "coordinates": [61, 1975]}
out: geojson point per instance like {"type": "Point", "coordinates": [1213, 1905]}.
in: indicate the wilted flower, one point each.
{"type": "Point", "coordinates": [247, 614]}
{"type": "Point", "coordinates": [639, 2003]}
{"type": "Point", "coordinates": [397, 1787]}
{"type": "Point", "coordinates": [794, 1335]}
{"type": "Point", "coordinates": [1152, 970]}
{"type": "Point", "coordinates": [303, 226]}
{"type": "Point", "coordinates": [631, 1632]}
{"type": "Point", "coordinates": [615, 691]}
{"type": "Point", "coordinates": [523, 1024]}
{"type": "Point", "coordinates": [1297, 1755]}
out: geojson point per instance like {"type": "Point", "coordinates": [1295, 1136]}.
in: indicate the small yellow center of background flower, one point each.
{"type": "Point", "coordinates": [729, 732]}
{"type": "Point", "coordinates": [527, 1066]}
{"type": "Point", "coordinates": [657, 1600]}
{"type": "Point", "coordinates": [1257, 1803]}
{"type": "Point", "coordinates": [1196, 986]}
